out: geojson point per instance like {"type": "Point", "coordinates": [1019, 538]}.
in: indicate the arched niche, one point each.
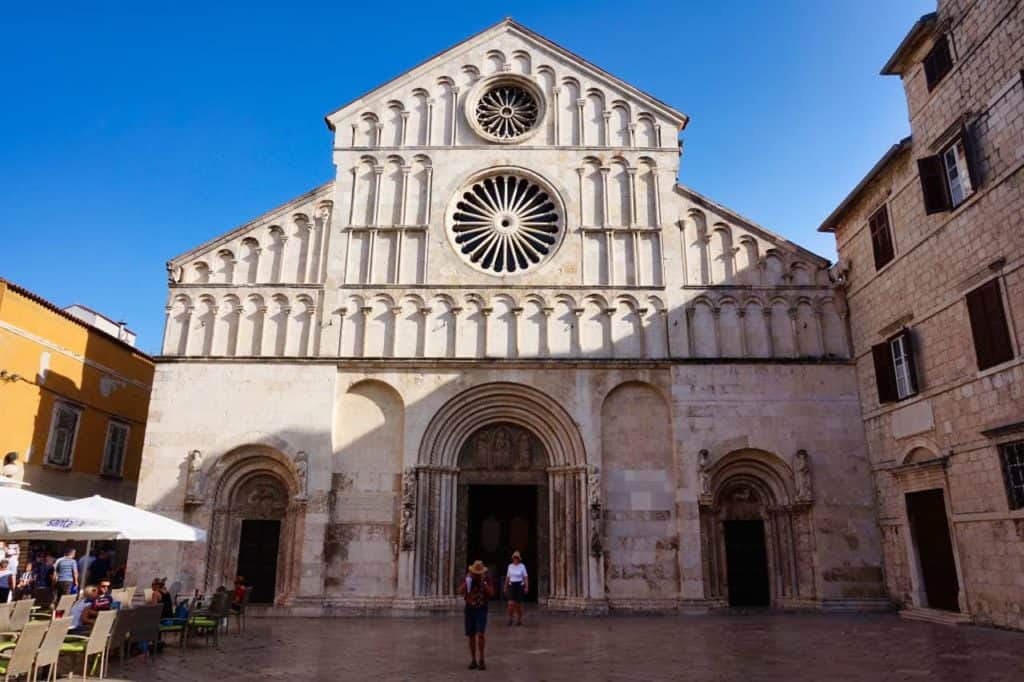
{"type": "Point", "coordinates": [369, 436]}
{"type": "Point", "coordinates": [640, 539]}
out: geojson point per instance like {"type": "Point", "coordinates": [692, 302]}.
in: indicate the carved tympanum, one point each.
{"type": "Point", "coordinates": [502, 447]}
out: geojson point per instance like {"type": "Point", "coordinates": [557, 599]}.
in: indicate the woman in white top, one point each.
{"type": "Point", "coordinates": [517, 585]}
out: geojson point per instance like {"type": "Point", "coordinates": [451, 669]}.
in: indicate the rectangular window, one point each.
{"type": "Point", "coordinates": [881, 237]}
{"type": "Point", "coordinates": [988, 325]}
{"type": "Point", "coordinates": [958, 178]}
{"type": "Point", "coordinates": [895, 373]}
{"type": "Point", "coordinates": [1011, 456]}
{"type": "Point", "coordinates": [114, 450]}
{"type": "Point", "coordinates": [938, 62]}
{"type": "Point", "coordinates": [63, 431]}
{"type": "Point", "coordinates": [948, 178]}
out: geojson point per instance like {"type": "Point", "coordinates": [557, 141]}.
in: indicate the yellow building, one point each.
{"type": "Point", "coordinates": [73, 398]}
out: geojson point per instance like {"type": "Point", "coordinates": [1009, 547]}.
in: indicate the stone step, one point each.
{"type": "Point", "coordinates": [936, 616]}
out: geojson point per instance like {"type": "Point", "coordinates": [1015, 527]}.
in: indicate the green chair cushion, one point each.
{"type": "Point", "coordinates": [72, 647]}
{"type": "Point", "coordinates": [171, 628]}
{"type": "Point", "coordinates": [3, 665]}
{"type": "Point", "coordinates": [203, 622]}
{"type": "Point", "coordinates": [7, 645]}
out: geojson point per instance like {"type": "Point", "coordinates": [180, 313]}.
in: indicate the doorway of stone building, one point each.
{"type": "Point", "coordinates": [746, 560]}
{"type": "Point", "coordinates": [502, 519]}
{"type": "Point", "coordinates": [257, 558]}
{"type": "Point", "coordinates": [929, 528]}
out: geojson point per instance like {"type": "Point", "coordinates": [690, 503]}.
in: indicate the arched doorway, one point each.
{"type": "Point", "coordinates": [755, 533]}
{"type": "Point", "coordinates": [502, 503]}
{"type": "Point", "coordinates": [493, 418]}
{"type": "Point", "coordinates": [254, 524]}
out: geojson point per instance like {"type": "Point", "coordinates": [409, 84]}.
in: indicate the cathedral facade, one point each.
{"type": "Point", "coordinates": [505, 325]}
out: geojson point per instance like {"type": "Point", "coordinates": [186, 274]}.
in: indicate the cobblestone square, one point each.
{"type": "Point", "coordinates": [726, 646]}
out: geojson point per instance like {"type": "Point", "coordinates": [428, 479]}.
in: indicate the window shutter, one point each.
{"type": "Point", "coordinates": [911, 350]}
{"type": "Point", "coordinates": [881, 237]}
{"type": "Point", "coordinates": [933, 184]}
{"type": "Point", "coordinates": [885, 375]}
{"type": "Point", "coordinates": [988, 325]}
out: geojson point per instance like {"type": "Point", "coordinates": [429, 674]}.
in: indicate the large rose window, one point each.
{"type": "Point", "coordinates": [505, 223]}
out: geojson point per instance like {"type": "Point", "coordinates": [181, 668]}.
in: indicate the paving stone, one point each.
{"type": "Point", "coordinates": [722, 646]}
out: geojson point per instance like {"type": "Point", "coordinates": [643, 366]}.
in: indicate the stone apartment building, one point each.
{"type": "Point", "coordinates": [502, 325]}
{"type": "Point", "coordinates": [931, 254]}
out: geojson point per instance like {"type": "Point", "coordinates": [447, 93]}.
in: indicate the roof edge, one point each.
{"type": "Point", "coordinates": [508, 22]}
{"type": "Point", "coordinates": [713, 205]}
{"type": "Point", "coordinates": [919, 30]}
{"type": "Point", "coordinates": [53, 307]}
{"type": "Point", "coordinates": [829, 224]}
{"type": "Point", "coordinates": [230, 234]}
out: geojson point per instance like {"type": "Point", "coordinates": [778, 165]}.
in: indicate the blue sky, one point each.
{"type": "Point", "coordinates": [132, 132]}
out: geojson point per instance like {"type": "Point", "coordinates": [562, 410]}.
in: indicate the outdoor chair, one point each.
{"type": "Point", "coordinates": [175, 590]}
{"type": "Point", "coordinates": [147, 593]}
{"type": "Point", "coordinates": [207, 622]}
{"type": "Point", "coordinates": [120, 595]}
{"type": "Point", "coordinates": [5, 615]}
{"type": "Point", "coordinates": [238, 610]}
{"type": "Point", "coordinates": [119, 634]}
{"type": "Point", "coordinates": [130, 596]}
{"type": "Point", "coordinates": [49, 650]}
{"type": "Point", "coordinates": [145, 629]}
{"type": "Point", "coordinates": [23, 657]}
{"type": "Point", "coordinates": [20, 617]}
{"type": "Point", "coordinates": [63, 607]}
{"type": "Point", "coordinates": [93, 644]}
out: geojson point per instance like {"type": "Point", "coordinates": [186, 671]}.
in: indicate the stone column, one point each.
{"type": "Point", "coordinates": [435, 521]}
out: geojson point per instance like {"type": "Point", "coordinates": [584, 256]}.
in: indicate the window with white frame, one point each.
{"type": "Point", "coordinates": [63, 432]}
{"type": "Point", "coordinates": [958, 178]}
{"type": "Point", "coordinates": [895, 373]}
{"type": "Point", "coordinates": [115, 449]}
{"type": "Point", "coordinates": [901, 366]}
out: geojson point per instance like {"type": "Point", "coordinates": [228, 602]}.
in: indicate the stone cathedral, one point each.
{"type": "Point", "coordinates": [504, 325]}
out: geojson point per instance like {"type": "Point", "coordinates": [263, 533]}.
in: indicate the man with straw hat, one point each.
{"type": "Point", "coordinates": [477, 590]}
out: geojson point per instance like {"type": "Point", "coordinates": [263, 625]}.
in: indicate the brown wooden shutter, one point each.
{"type": "Point", "coordinates": [988, 325]}
{"type": "Point", "coordinates": [933, 184]}
{"type": "Point", "coordinates": [885, 375]}
{"type": "Point", "coordinates": [881, 237]}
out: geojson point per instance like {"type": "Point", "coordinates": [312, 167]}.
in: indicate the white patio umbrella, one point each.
{"type": "Point", "coordinates": [30, 516]}
{"type": "Point", "coordinates": [132, 523]}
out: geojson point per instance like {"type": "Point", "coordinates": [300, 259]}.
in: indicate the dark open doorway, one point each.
{"type": "Point", "coordinates": [929, 528]}
{"type": "Point", "coordinates": [501, 519]}
{"type": "Point", "coordinates": [257, 558]}
{"type": "Point", "coordinates": [746, 563]}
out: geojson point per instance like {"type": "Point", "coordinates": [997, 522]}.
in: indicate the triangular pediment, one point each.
{"type": "Point", "coordinates": [508, 46]}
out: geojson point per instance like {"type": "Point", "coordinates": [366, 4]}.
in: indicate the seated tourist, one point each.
{"type": "Point", "coordinates": [163, 597]}
{"type": "Point", "coordinates": [103, 600]}
{"type": "Point", "coordinates": [83, 615]}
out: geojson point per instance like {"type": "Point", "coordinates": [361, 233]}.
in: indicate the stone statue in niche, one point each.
{"type": "Point", "coordinates": [524, 458]}
{"type": "Point", "coordinates": [407, 527]}
{"type": "Point", "coordinates": [501, 453]}
{"type": "Point", "coordinates": [194, 482]}
{"type": "Point", "coordinates": [302, 474]}
{"type": "Point", "coordinates": [596, 511]}
{"type": "Point", "coordinates": [482, 451]}
{"type": "Point", "coordinates": [704, 473]}
{"type": "Point", "coordinates": [802, 476]}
